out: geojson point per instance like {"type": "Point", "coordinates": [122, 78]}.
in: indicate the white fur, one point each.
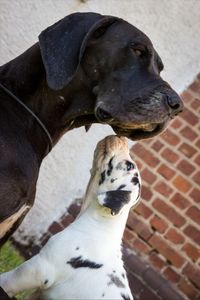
{"type": "Point", "coordinates": [95, 236]}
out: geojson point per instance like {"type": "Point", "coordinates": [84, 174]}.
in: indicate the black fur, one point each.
{"type": "Point", "coordinates": [103, 177]}
{"type": "Point", "coordinates": [110, 167]}
{"type": "Point", "coordinates": [125, 297]}
{"type": "Point", "coordinates": [78, 262]}
{"type": "Point", "coordinates": [121, 187]}
{"type": "Point", "coordinates": [135, 180]}
{"type": "Point", "coordinates": [115, 200]}
{"type": "Point", "coordinates": [116, 281]}
{"type": "Point", "coordinates": [4, 296]}
{"type": "Point", "coordinates": [124, 86]}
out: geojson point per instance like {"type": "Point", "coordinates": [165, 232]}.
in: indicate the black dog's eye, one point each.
{"type": "Point", "coordinates": [139, 50]}
{"type": "Point", "coordinates": [129, 165]}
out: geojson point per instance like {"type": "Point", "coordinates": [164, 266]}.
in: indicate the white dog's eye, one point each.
{"type": "Point", "coordinates": [129, 165]}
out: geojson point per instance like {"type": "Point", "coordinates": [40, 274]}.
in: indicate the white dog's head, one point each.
{"type": "Point", "coordinates": [115, 180]}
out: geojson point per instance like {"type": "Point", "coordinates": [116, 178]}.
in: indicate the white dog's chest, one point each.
{"type": "Point", "coordinates": [86, 283]}
{"type": "Point", "coordinates": [86, 271]}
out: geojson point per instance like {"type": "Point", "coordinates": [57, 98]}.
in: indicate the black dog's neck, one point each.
{"type": "Point", "coordinates": [60, 111]}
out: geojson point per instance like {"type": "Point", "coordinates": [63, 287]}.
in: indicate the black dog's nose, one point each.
{"type": "Point", "coordinates": [175, 103]}
{"type": "Point", "coordinates": [103, 116]}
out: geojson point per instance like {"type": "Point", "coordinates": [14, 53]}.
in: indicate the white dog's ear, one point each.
{"type": "Point", "coordinates": [114, 200]}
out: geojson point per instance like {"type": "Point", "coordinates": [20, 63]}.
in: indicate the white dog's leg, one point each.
{"type": "Point", "coordinates": [34, 273]}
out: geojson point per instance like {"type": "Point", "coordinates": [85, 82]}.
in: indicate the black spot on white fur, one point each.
{"type": "Point", "coordinates": [113, 179]}
{"type": "Point", "coordinates": [110, 167]}
{"type": "Point", "coordinates": [125, 297]}
{"type": "Point", "coordinates": [103, 177]}
{"type": "Point", "coordinates": [46, 281]}
{"type": "Point", "coordinates": [121, 187]}
{"type": "Point", "coordinates": [78, 262]}
{"type": "Point", "coordinates": [116, 281]}
{"type": "Point", "coordinates": [119, 166]}
{"type": "Point", "coordinates": [135, 180]}
{"type": "Point", "coordinates": [77, 248]}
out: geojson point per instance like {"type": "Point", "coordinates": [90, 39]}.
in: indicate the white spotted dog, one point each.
{"type": "Point", "coordinates": [84, 261]}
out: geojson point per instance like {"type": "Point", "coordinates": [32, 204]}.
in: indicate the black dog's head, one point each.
{"type": "Point", "coordinates": [120, 68]}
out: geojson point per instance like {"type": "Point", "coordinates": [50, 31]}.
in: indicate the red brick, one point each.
{"type": "Point", "coordinates": [188, 289]}
{"type": "Point", "coordinates": [186, 97]}
{"type": "Point", "coordinates": [189, 117]}
{"type": "Point", "coordinates": [198, 143]}
{"type": "Point", "coordinates": [169, 137]}
{"type": "Point", "coordinates": [170, 155]}
{"type": "Point", "coordinates": [187, 150]}
{"type": "Point", "coordinates": [196, 178]}
{"type": "Point", "coordinates": [169, 213]}
{"type": "Point", "coordinates": [191, 251]}
{"type": "Point", "coordinates": [195, 195]}
{"type": "Point", "coordinates": [198, 77]}
{"type": "Point", "coordinates": [185, 167]}
{"type": "Point", "coordinates": [175, 237]}
{"type": "Point", "coordinates": [148, 176]}
{"type": "Point", "coordinates": [145, 155]}
{"type": "Point", "coordinates": [188, 133]}
{"type": "Point", "coordinates": [146, 194]}
{"type": "Point", "coordinates": [138, 226]}
{"type": "Point", "coordinates": [193, 274]}
{"type": "Point", "coordinates": [195, 104]}
{"type": "Point", "coordinates": [180, 201]}
{"type": "Point", "coordinates": [171, 275]}
{"type": "Point", "coordinates": [74, 209]}
{"type": "Point", "coordinates": [166, 172]}
{"type": "Point", "coordinates": [193, 233]}
{"type": "Point", "coordinates": [163, 189]}
{"type": "Point", "coordinates": [135, 283]}
{"type": "Point", "coordinates": [143, 210]}
{"type": "Point", "coordinates": [55, 228]}
{"type": "Point", "coordinates": [128, 236]}
{"type": "Point", "coordinates": [168, 252]}
{"type": "Point", "coordinates": [66, 220]}
{"type": "Point", "coordinates": [147, 293]}
{"type": "Point", "coordinates": [138, 163]}
{"type": "Point", "coordinates": [140, 246]}
{"type": "Point", "coordinates": [197, 160]}
{"type": "Point", "coordinates": [44, 239]}
{"type": "Point", "coordinates": [182, 184]}
{"type": "Point", "coordinates": [195, 87]}
{"type": "Point", "coordinates": [156, 260]}
{"type": "Point", "coordinates": [133, 262]}
{"type": "Point", "coordinates": [177, 123]}
{"type": "Point", "coordinates": [194, 213]}
{"type": "Point", "coordinates": [157, 146]}
{"type": "Point", "coordinates": [158, 224]}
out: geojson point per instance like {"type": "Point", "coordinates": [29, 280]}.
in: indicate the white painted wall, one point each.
{"type": "Point", "coordinates": [174, 28]}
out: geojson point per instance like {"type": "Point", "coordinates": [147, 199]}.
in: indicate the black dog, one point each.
{"type": "Point", "coordinates": [86, 68]}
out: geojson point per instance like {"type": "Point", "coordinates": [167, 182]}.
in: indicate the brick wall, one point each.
{"type": "Point", "coordinates": [164, 229]}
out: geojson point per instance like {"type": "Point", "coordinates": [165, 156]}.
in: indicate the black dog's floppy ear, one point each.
{"type": "Point", "coordinates": [62, 45]}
